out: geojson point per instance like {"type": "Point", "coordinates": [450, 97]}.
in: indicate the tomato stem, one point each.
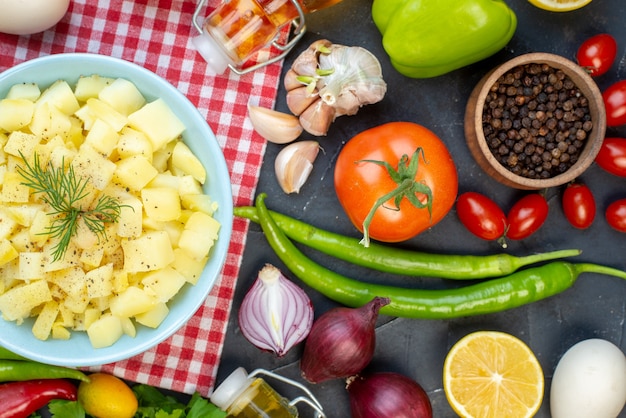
{"type": "Point", "coordinates": [404, 177]}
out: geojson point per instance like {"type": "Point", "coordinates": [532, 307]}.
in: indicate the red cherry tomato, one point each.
{"type": "Point", "coordinates": [579, 205]}
{"type": "Point", "coordinates": [481, 215]}
{"type": "Point", "coordinates": [612, 156]}
{"type": "Point", "coordinates": [526, 216]}
{"type": "Point", "coordinates": [616, 215]}
{"type": "Point", "coordinates": [615, 103]}
{"type": "Point", "coordinates": [597, 54]}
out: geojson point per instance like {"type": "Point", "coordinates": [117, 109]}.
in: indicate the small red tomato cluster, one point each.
{"type": "Point", "coordinates": [485, 219]}
{"type": "Point", "coordinates": [597, 54]}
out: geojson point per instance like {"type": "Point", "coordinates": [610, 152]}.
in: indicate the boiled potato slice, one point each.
{"type": "Point", "coordinates": [15, 114]}
{"type": "Point", "coordinates": [60, 95]}
{"type": "Point", "coordinates": [151, 251]}
{"type": "Point", "coordinates": [102, 137]}
{"type": "Point", "coordinates": [163, 283]}
{"type": "Point", "coordinates": [161, 203]}
{"type": "Point", "coordinates": [187, 265]}
{"type": "Point", "coordinates": [28, 91]}
{"type": "Point", "coordinates": [184, 160]}
{"type": "Point", "coordinates": [123, 96]}
{"type": "Point", "coordinates": [31, 265]}
{"type": "Point", "coordinates": [132, 301]}
{"type": "Point", "coordinates": [89, 163]}
{"type": "Point", "coordinates": [21, 143]}
{"type": "Point", "coordinates": [99, 281]}
{"type": "Point", "coordinates": [130, 220]}
{"type": "Point", "coordinates": [19, 301]}
{"type": "Point", "coordinates": [158, 122]}
{"type": "Point", "coordinates": [88, 87]}
{"type": "Point", "coordinates": [102, 110]}
{"type": "Point", "coordinates": [7, 252]}
{"type": "Point", "coordinates": [45, 320]}
{"type": "Point", "coordinates": [154, 316]}
{"type": "Point", "coordinates": [134, 172]}
{"type": "Point", "coordinates": [105, 331]}
{"type": "Point", "coordinates": [201, 231]}
{"type": "Point", "coordinates": [133, 142]}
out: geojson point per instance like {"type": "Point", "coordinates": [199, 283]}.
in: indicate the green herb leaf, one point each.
{"type": "Point", "coordinates": [66, 409]}
{"type": "Point", "coordinates": [63, 190]}
{"type": "Point", "coordinates": [202, 408]}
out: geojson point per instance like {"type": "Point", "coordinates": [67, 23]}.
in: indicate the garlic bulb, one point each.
{"type": "Point", "coordinates": [294, 164]}
{"type": "Point", "coordinates": [356, 80]}
{"type": "Point", "coordinates": [329, 80]}
{"type": "Point", "coordinates": [275, 314]}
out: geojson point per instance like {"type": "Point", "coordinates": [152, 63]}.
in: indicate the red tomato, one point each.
{"type": "Point", "coordinates": [361, 179]}
{"type": "Point", "coordinates": [526, 216]}
{"type": "Point", "coordinates": [597, 54]}
{"type": "Point", "coordinates": [579, 205]}
{"type": "Point", "coordinates": [481, 216]}
{"type": "Point", "coordinates": [616, 215]}
{"type": "Point", "coordinates": [615, 103]}
{"type": "Point", "coordinates": [612, 156]}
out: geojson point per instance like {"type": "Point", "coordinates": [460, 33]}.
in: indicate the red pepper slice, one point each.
{"type": "Point", "coordinates": [20, 399]}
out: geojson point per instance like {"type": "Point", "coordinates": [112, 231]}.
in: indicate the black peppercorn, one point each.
{"type": "Point", "coordinates": [536, 121]}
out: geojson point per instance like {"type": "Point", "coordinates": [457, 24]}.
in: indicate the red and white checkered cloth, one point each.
{"type": "Point", "coordinates": [157, 34]}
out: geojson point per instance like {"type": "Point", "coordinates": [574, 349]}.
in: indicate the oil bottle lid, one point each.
{"type": "Point", "coordinates": [226, 393]}
{"type": "Point", "coordinates": [212, 53]}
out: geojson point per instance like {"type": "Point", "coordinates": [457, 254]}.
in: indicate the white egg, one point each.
{"type": "Point", "coordinates": [25, 17]}
{"type": "Point", "coordinates": [589, 381]}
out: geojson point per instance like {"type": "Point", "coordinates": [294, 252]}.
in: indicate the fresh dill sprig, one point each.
{"type": "Point", "coordinates": [62, 190]}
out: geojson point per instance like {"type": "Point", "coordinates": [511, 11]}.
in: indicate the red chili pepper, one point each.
{"type": "Point", "coordinates": [20, 399]}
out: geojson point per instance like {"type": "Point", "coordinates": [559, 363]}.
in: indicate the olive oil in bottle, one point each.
{"type": "Point", "coordinates": [242, 396]}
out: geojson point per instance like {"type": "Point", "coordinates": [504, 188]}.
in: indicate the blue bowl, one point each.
{"type": "Point", "coordinates": [78, 351]}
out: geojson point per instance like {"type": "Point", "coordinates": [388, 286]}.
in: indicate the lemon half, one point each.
{"type": "Point", "coordinates": [491, 374]}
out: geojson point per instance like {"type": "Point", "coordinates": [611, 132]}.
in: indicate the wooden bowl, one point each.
{"type": "Point", "coordinates": [483, 155]}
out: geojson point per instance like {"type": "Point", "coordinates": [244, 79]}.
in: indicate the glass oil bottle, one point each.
{"type": "Point", "coordinates": [238, 29]}
{"type": "Point", "coordinates": [250, 396]}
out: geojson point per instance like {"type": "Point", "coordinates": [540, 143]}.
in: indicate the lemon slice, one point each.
{"type": "Point", "coordinates": [491, 374]}
{"type": "Point", "coordinates": [559, 5]}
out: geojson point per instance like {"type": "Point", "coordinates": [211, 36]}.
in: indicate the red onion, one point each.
{"type": "Point", "coordinates": [341, 342]}
{"type": "Point", "coordinates": [387, 394]}
{"type": "Point", "coordinates": [275, 314]}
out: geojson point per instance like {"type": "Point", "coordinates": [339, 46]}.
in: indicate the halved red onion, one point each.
{"type": "Point", "coordinates": [275, 314]}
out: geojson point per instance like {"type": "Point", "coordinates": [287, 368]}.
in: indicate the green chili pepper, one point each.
{"type": "Point", "coordinates": [429, 38]}
{"type": "Point", "coordinates": [486, 297]}
{"type": "Point", "coordinates": [19, 370]}
{"type": "Point", "coordinates": [401, 261]}
{"type": "Point", "coordinates": [6, 354]}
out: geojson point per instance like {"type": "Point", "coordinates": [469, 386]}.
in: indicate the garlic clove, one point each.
{"type": "Point", "coordinates": [274, 126]}
{"type": "Point", "coordinates": [291, 80]}
{"type": "Point", "coordinates": [299, 99]}
{"type": "Point", "coordinates": [317, 118]}
{"type": "Point", "coordinates": [294, 164]}
{"type": "Point", "coordinates": [307, 62]}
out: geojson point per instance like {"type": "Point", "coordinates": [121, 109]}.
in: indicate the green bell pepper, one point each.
{"type": "Point", "coordinates": [428, 38]}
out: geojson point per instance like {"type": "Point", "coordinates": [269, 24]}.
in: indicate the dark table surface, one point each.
{"type": "Point", "coordinates": [594, 307]}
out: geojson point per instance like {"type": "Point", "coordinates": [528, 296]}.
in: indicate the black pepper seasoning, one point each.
{"type": "Point", "coordinates": [536, 121]}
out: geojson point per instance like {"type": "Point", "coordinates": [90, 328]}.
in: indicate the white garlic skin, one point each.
{"type": "Point", "coordinates": [589, 381]}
